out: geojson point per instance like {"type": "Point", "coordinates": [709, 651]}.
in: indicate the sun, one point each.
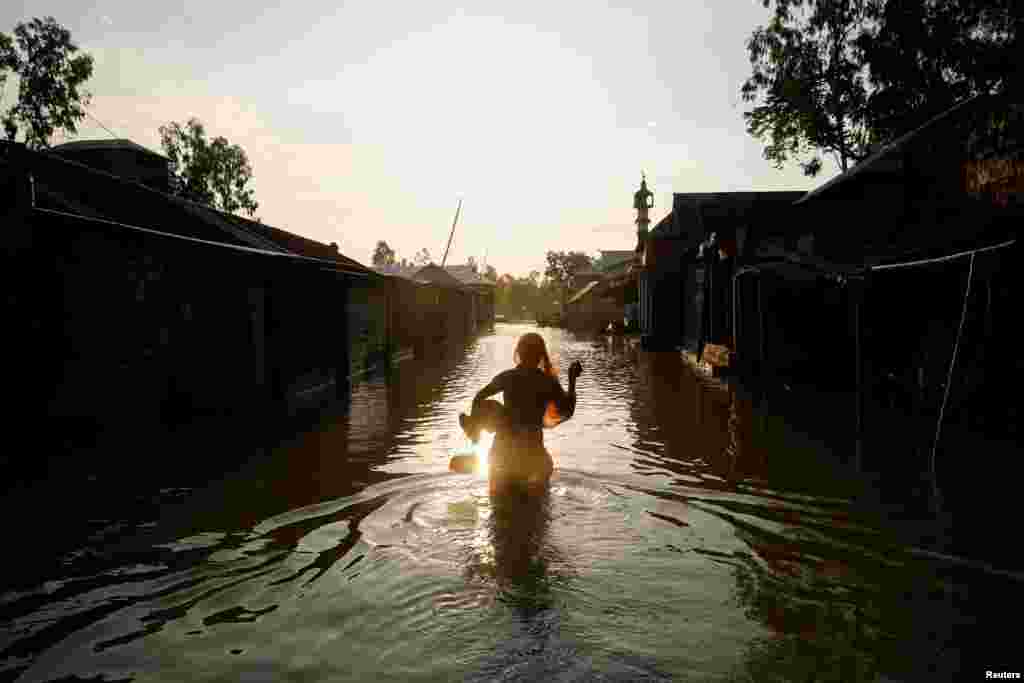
{"type": "Point", "coordinates": [482, 448]}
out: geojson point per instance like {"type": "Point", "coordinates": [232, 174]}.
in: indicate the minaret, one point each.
{"type": "Point", "coordinates": [642, 201]}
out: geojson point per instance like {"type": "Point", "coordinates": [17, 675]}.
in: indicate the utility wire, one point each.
{"type": "Point", "coordinates": [949, 381]}
{"type": "Point", "coordinates": [89, 114]}
{"type": "Point", "coordinates": [950, 257]}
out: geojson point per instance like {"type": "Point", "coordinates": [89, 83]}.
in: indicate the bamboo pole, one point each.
{"type": "Point", "coordinates": [451, 234]}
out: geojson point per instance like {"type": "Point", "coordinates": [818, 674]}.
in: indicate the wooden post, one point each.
{"type": "Point", "coordinates": [22, 287]}
{"type": "Point", "coordinates": [698, 400]}
{"type": "Point", "coordinates": [761, 358]}
{"type": "Point", "coordinates": [705, 313]}
{"type": "Point", "coordinates": [257, 321]}
{"type": "Point", "coordinates": [273, 350]}
{"type": "Point", "coordinates": [18, 229]}
{"type": "Point", "coordinates": [735, 317]}
{"type": "Point", "coordinates": [342, 340]}
{"type": "Point", "coordinates": [988, 308]}
{"type": "Point", "coordinates": [645, 315]}
{"type": "Point", "coordinates": [390, 307]}
{"type": "Point", "coordinates": [855, 287]}
{"type": "Point", "coordinates": [711, 299]}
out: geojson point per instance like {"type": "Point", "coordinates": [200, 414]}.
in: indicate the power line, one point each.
{"type": "Point", "coordinates": [3, 97]}
{"type": "Point", "coordinates": [89, 114]}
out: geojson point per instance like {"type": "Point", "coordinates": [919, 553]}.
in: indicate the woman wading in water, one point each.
{"type": "Point", "coordinates": [534, 399]}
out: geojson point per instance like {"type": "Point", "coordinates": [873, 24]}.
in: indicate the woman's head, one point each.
{"type": "Point", "coordinates": [531, 352]}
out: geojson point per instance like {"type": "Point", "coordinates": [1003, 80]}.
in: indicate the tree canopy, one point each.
{"type": "Point", "coordinates": [838, 76]}
{"type": "Point", "coordinates": [525, 297]}
{"type": "Point", "coordinates": [383, 255]}
{"type": "Point", "coordinates": [50, 78]}
{"type": "Point", "coordinates": [212, 172]}
{"type": "Point", "coordinates": [422, 257]}
{"type": "Point", "coordinates": [562, 266]}
{"type": "Point", "coordinates": [808, 84]}
{"type": "Point", "coordinates": [924, 56]}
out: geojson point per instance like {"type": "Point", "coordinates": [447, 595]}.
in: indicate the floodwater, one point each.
{"type": "Point", "coordinates": [689, 534]}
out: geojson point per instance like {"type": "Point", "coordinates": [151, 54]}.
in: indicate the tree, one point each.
{"type": "Point", "coordinates": [841, 76]}
{"type": "Point", "coordinates": [924, 56]}
{"type": "Point", "coordinates": [212, 172]}
{"type": "Point", "coordinates": [515, 297]}
{"type": "Point", "coordinates": [50, 74]}
{"type": "Point", "coordinates": [422, 257]}
{"type": "Point", "coordinates": [808, 83]}
{"type": "Point", "coordinates": [562, 266]}
{"type": "Point", "coordinates": [383, 255]}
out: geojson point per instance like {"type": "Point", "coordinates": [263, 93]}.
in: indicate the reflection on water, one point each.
{"type": "Point", "coordinates": [688, 534]}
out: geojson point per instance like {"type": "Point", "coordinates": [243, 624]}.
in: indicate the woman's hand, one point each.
{"type": "Point", "coordinates": [575, 370]}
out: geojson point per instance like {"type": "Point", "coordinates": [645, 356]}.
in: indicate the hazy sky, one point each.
{"type": "Point", "coordinates": [368, 120]}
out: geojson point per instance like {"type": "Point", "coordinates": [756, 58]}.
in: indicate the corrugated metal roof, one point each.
{"type": "Point", "coordinates": [177, 215]}
{"type": "Point", "coordinates": [612, 255]}
{"type": "Point", "coordinates": [437, 275]}
{"type": "Point", "coordinates": [872, 163]}
{"type": "Point", "coordinates": [465, 274]}
{"type": "Point", "coordinates": [694, 215]}
{"type": "Point", "coordinates": [398, 270]}
{"type": "Point", "coordinates": [89, 145]}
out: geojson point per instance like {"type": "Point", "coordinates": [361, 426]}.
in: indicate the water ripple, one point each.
{"type": "Point", "coordinates": [683, 537]}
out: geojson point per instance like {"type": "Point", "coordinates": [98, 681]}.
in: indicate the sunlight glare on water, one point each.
{"type": "Point", "coordinates": [482, 450]}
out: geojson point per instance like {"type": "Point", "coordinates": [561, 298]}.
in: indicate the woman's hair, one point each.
{"type": "Point", "coordinates": [531, 352]}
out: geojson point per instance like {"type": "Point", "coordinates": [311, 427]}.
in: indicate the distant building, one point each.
{"type": "Point", "coordinates": [592, 308]}
{"type": "Point", "coordinates": [402, 270]}
{"type": "Point", "coordinates": [483, 292]}
{"type": "Point", "coordinates": [582, 278]}
{"type": "Point", "coordinates": [437, 275]}
{"type": "Point", "coordinates": [138, 304]}
{"type": "Point", "coordinates": [467, 274]}
{"type": "Point", "coordinates": [614, 261]}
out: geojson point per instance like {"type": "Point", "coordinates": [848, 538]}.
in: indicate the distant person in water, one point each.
{"type": "Point", "coordinates": [534, 399]}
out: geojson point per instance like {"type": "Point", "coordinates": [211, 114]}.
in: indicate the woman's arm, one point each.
{"type": "Point", "coordinates": [495, 387]}
{"type": "Point", "coordinates": [565, 401]}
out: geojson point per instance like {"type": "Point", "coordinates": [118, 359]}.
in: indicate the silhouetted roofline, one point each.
{"type": "Point", "coordinates": [252, 233]}
{"type": "Point", "coordinates": [119, 143]}
{"type": "Point", "coordinates": [866, 164]}
{"type": "Point", "coordinates": [443, 277]}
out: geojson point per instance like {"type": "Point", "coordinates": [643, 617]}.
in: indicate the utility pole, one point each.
{"type": "Point", "coordinates": [452, 234]}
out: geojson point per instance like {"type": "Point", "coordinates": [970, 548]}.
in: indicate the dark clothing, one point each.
{"type": "Point", "coordinates": [527, 392]}
{"type": "Point", "coordinates": [518, 450]}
